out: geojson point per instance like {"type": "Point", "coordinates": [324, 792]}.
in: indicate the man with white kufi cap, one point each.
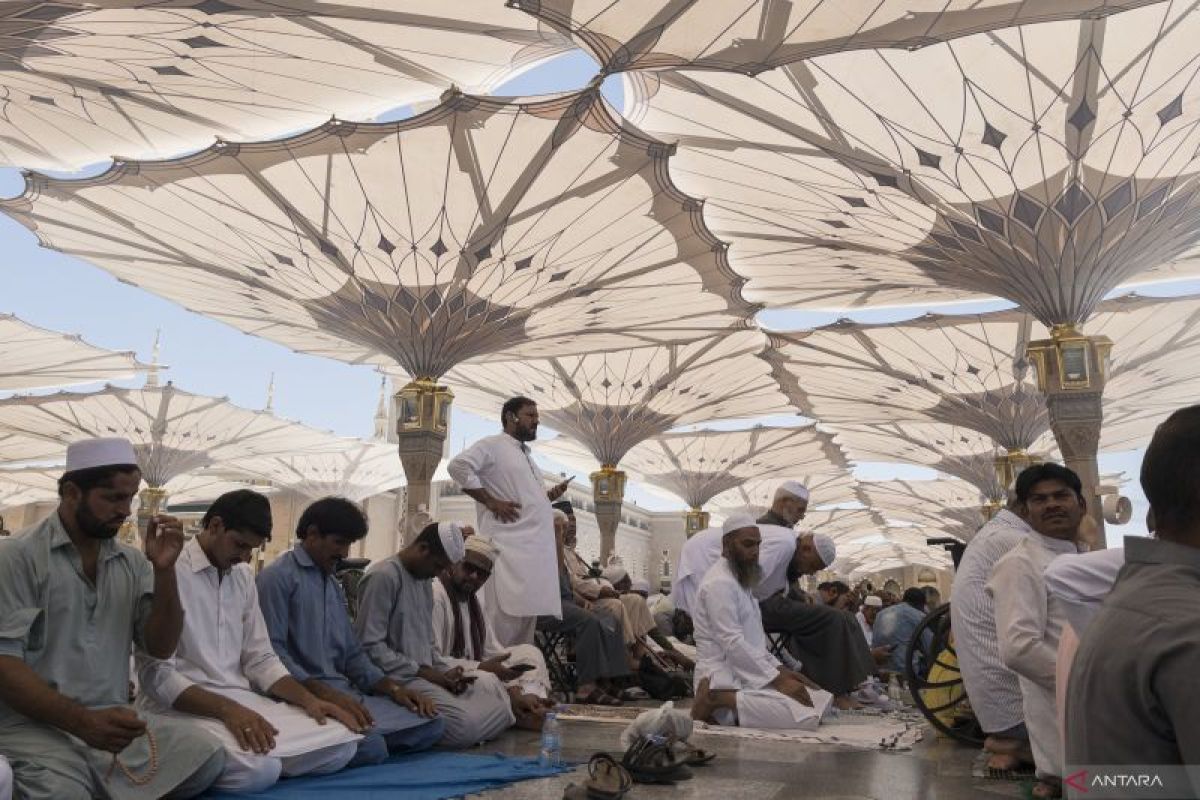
{"type": "Point", "coordinates": [465, 637]}
{"type": "Point", "coordinates": [74, 603]}
{"type": "Point", "coordinates": [395, 625]}
{"type": "Point", "coordinates": [738, 680]}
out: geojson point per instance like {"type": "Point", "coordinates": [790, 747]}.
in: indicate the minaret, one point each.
{"type": "Point", "coordinates": [270, 407]}
{"type": "Point", "coordinates": [152, 372]}
{"type": "Point", "coordinates": [381, 411]}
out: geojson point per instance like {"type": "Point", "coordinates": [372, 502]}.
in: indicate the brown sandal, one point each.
{"type": "Point", "coordinates": [599, 697]}
{"type": "Point", "coordinates": [607, 780]}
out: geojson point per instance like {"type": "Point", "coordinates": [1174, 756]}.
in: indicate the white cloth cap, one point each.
{"type": "Point", "coordinates": [482, 547]}
{"type": "Point", "coordinates": [99, 453]}
{"type": "Point", "coordinates": [795, 489]}
{"type": "Point", "coordinates": [875, 601]}
{"type": "Point", "coordinates": [640, 585]}
{"type": "Point", "coordinates": [736, 522]}
{"type": "Point", "coordinates": [614, 574]}
{"type": "Point", "coordinates": [452, 541]}
{"type": "Point", "coordinates": [826, 549]}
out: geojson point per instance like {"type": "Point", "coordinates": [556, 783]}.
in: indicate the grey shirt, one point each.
{"type": "Point", "coordinates": [395, 620]}
{"type": "Point", "coordinates": [1132, 696]}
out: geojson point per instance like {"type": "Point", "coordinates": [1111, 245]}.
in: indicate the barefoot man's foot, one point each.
{"type": "Point", "coordinates": [846, 703]}
{"type": "Point", "coordinates": [703, 706]}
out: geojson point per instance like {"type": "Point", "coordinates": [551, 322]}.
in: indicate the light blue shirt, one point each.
{"type": "Point", "coordinates": [895, 626]}
{"type": "Point", "coordinates": [310, 628]}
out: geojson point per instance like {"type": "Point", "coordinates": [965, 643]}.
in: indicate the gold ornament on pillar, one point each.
{"type": "Point", "coordinates": [153, 501]}
{"type": "Point", "coordinates": [1011, 464]}
{"type": "Point", "coordinates": [608, 492]}
{"type": "Point", "coordinates": [422, 420]}
{"type": "Point", "coordinates": [695, 521]}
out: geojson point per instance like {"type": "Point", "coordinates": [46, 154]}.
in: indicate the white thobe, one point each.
{"type": "Point", "coordinates": [993, 688]}
{"type": "Point", "coordinates": [700, 552]}
{"type": "Point", "coordinates": [6, 779]}
{"type": "Point", "coordinates": [225, 648]}
{"type": "Point", "coordinates": [732, 653]}
{"type": "Point", "coordinates": [1029, 623]}
{"type": "Point", "coordinates": [866, 626]}
{"type": "Point", "coordinates": [524, 583]}
{"type": "Point", "coordinates": [535, 681]}
{"type": "Point", "coordinates": [1082, 581]}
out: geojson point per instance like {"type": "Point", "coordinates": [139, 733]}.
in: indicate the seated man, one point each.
{"type": "Point", "coordinates": [5, 769]}
{"type": "Point", "coordinates": [738, 681]}
{"type": "Point", "coordinates": [635, 604]}
{"type": "Point", "coordinates": [894, 628]}
{"type": "Point", "coordinates": [73, 602]}
{"type": "Point", "coordinates": [395, 625]}
{"type": "Point", "coordinates": [224, 674]}
{"type": "Point", "coordinates": [871, 606]}
{"type": "Point", "coordinates": [599, 650]}
{"type": "Point", "coordinates": [310, 629]}
{"type": "Point", "coordinates": [464, 637]}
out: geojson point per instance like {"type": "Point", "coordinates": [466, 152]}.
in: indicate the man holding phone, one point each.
{"type": "Point", "coordinates": [499, 473]}
{"type": "Point", "coordinates": [465, 639]}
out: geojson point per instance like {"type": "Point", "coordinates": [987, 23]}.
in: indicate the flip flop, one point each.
{"type": "Point", "coordinates": [650, 760]}
{"type": "Point", "coordinates": [607, 780]}
{"type": "Point", "coordinates": [599, 697]}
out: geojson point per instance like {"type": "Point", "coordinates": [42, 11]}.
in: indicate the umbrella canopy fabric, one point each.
{"type": "Point", "coordinates": [1045, 163]}
{"type": "Point", "coordinates": [173, 432]}
{"type": "Point", "coordinates": [952, 505]}
{"type": "Point", "coordinates": [36, 358]}
{"type": "Point", "coordinates": [483, 227]}
{"type": "Point", "coordinates": [754, 35]}
{"type": "Point", "coordinates": [84, 82]}
{"type": "Point", "coordinates": [698, 465]}
{"type": "Point", "coordinates": [356, 470]}
{"type": "Point", "coordinates": [612, 401]}
{"type": "Point", "coordinates": [825, 489]}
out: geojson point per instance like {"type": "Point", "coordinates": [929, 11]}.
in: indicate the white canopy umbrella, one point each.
{"type": "Point", "coordinates": [955, 506]}
{"type": "Point", "coordinates": [86, 81]}
{"type": "Point", "coordinates": [356, 470]}
{"type": "Point", "coordinates": [37, 358]}
{"type": "Point", "coordinates": [825, 489]}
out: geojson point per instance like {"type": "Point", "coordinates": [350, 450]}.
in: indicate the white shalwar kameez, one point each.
{"type": "Point", "coordinates": [535, 681]}
{"type": "Point", "coordinates": [731, 651]}
{"type": "Point", "coordinates": [1029, 623]}
{"type": "Point", "coordinates": [524, 582]}
{"type": "Point", "coordinates": [700, 552]}
{"type": "Point", "coordinates": [6, 779]}
{"type": "Point", "coordinates": [225, 649]}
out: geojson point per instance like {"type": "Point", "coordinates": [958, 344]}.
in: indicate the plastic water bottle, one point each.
{"type": "Point", "coordinates": [551, 752]}
{"type": "Point", "coordinates": [894, 691]}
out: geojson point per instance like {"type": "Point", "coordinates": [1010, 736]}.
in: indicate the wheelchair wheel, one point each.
{"type": "Point", "coordinates": [935, 682]}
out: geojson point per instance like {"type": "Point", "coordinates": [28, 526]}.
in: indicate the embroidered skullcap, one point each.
{"type": "Point", "coordinates": [736, 522]}
{"type": "Point", "coordinates": [91, 453]}
{"type": "Point", "coordinates": [451, 536]}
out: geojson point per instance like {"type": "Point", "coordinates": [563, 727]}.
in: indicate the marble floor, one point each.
{"type": "Point", "coordinates": [936, 769]}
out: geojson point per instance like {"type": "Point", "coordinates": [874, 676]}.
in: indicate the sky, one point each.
{"type": "Point", "coordinates": [55, 291]}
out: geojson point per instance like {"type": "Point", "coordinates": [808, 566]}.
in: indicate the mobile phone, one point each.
{"type": "Point", "coordinates": [521, 667]}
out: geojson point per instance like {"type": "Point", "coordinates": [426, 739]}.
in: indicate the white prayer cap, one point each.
{"type": "Point", "coordinates": [826, 549]}
{"type": "Point", "coordinates": [794, 488]}
{"type": "Point", "coordinates": [641, 585]}
{"type": "Point", "coordinates": [452, 541]}
{"type": "Point", "coordinates": [481, 547]}
{"type": "Point", "coordinates": [873, 600]}
{"type": "Point", "coordinates": [736, 522]}
{"type": "Point", "coordinates": [99, 453]}
{"type": "Point", "coordinates": [614, 574]}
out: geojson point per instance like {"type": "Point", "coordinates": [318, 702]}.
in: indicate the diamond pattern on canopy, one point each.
{"type": "Point", "coordinates": [40, 485]}
{"type": "Point", "coordinates": [173, 432]}
{"type": "Point", "coordinates": [21, 486]}
{"type": "Point", "coordinates": [954, 506]}
{"type": "Point", "coordinates": [84, 81]}
{"type": "Point", "coordinates": [612, 401]}
{"type": "Point", "coordinates": [843, 524]}
{"type": "Point", "coordinates": [755, 35]}
{"type": "Point", "coordinates": [507, 229]}
{"type": "Point", "coordinates": [36, 358]}
{"type": "Point", "coordinates": [825, 489]}
{"type": "Point", "coordinates": [696, 466]}
{"type": "Point", "coordinates": [1045, 163]}
{"type": "Point", "coordinates": [356, 470]}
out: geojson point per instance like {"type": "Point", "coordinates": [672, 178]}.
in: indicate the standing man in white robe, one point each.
{"type": "Point", "coordinates": [738, 681]}
{"type": "Point", "coordinates": [499, 474]}
{"type": "Point", "coordinates": [225, 676]}
{"type": "Point", "coordinates": [461, 631]}
{"type": "Point", "coordinates": [1029, 621]}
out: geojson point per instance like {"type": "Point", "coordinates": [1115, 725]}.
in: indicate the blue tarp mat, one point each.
{"type": "Point", "coordinates": [422, 776]}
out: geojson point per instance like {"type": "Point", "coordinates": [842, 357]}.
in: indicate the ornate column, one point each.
{"type": "Point", "coordinates": [422, 419]}
{"type": "Point", "coordinates": [1010, 465]}
{"type": "Point", "coordinates": [608, 492]}
{"type": "Point", "coordinates": [1072, 370]}
{"type": "Point", "coordinates": [694, 521]}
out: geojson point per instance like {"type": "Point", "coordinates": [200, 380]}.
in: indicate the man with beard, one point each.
{"type": "Point", "coordinates": [305, 610]}
{"type": "Point", "coordinates": [1029, 620]}
{"type": "Point", "coordinates": [464, 637]}
{"type": "Point", "coordinates": [738, 681]}
{"type": "Point", "coordinates": [73, 602]}
{"type": "Point", "coordinates": [395, 625]}
{"type": "Point", "coordinates": [226, 678]}
{"type": "Point", "coordinates": [499, 474]}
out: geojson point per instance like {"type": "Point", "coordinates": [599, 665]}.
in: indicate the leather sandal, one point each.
{"type": "Point", "coordinates": [607, 780]}
{"type": "Point", "coordinates": [651, 760]}
{"type": "Point", "coordinates": [691, 755]}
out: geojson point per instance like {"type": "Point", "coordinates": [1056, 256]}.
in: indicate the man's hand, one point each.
{"type": "Point", "coordinates": [164, 541]}
{"type": "Point", "coordinates": [352, 707]}
{"type": "Point", "coordinates": [527, 704]}
{"type": "Point", "coordinates": [110, 729]}
{"type": "Point", "coordinates": [785, 683]}
{"type": "Point", "coordinates": [413, 701]}
{"type": "Point", "coordinates": [679, 660]}
{"type": "Point", "coordinates": [251, 730]}
{"type": "Point", "coordinates": [321, 710]}
{"type": "Point", "coordinates": [607, 592]}
{"type": "Point", "coordinates": [559, 490]}
{"type": "Point", "coordinates": [883, 654]}
{"type": "Point", "coordinates": [455, 681]}
{"type": "Point", "coordinates": [495, 665]}
{"type": "Point", "coordinates": [503, 510]}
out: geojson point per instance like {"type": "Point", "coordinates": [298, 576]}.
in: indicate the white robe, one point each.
{"type": "Point", "coordinates": [732, 653]}
{"type": "Point", "coordinates": [1082, 581]}
{"type": "Point", "coordinates": [524, 583]}
{"type": "Point", "coordinates": [536, 681]}
{"type": "Point", "coordinates": [226, 649]}
{"type": "Point", "coordinates": [1029, 623]}
{"type": "Point", "coordinates": [6, 779]}
{"type": "Point", "coordinates": [702, 550]}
